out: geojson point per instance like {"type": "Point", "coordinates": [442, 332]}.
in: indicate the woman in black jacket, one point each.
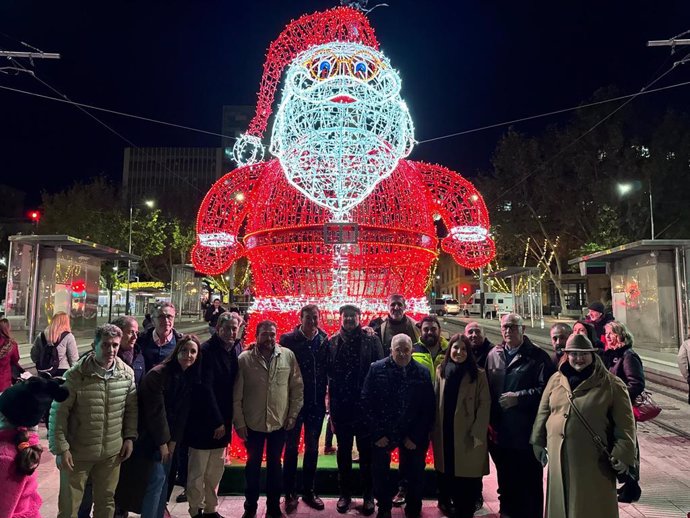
{"type": "Point", "coordinates": [164, 402]}
{"type": "Point", "coordinates": [622, 361]}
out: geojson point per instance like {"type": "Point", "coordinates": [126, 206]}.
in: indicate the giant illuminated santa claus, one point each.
{"type": "Point", "coordinates": [338, 216]}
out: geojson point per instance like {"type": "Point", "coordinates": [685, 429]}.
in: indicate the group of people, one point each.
{"type": "Point", "coordinates": [142, 407]}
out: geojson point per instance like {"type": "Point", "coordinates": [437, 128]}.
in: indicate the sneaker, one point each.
{"type": "Point", "coordinates": [399, 499]}
{"type": "Point", "coordinates": [182, 497]}
{"type": "Point", "coordinates": [291, 502]}
{"type": "Point", "coordinates": [313, 501]}
{"type": "Point", "coordinates": [329, 450]}
{"type": "Point", "coordinates": [343, 504]}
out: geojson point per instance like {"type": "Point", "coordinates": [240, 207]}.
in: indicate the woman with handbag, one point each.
{"type": "Point", "coordinates": [622, 361]}
{"type": "Point", "coordinates": [585, 431]}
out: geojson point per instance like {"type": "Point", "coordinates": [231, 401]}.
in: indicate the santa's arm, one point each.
{"type": "Point", "coordinates": [219, 219]}
{"type": "Point", "coordinates": [464, 213]}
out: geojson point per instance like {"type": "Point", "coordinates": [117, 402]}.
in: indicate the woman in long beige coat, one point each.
{"type": "Point", "coordinates": [582, 479]}
{"type": "Point", "coordinates": [460, 433]}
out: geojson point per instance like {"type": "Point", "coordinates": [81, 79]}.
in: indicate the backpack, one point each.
{"type": "Point", "coordinates": [49, 359]}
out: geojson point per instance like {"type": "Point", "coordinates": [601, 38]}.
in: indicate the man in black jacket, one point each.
{"type": "Point", "coordinates": [310, 345]}
{"type": "Point", "coordinates": [211, 315]}
{"type": "Point", "coordinates": [518, 372]}
{"type": "Point", "coordinates": [210, 424]}
{"type": "Point", "coordinates": [399, 401]}
{"type": "Point", "coordinates": [351, 353]}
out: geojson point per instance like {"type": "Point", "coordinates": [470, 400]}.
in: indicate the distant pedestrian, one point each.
{"type": "Point", "coordinates": [622, 361]}
{"type": "Point", "coordinates": [211, 315]}
{"type": "Point", "coordinates": [147, 323]}
{"type": "Point", "coordinates": [21, 409]}
{"type": "Point", "coordinates": [684, 362]}
{"type": "Point", "coordinates": [310, 345]}
{"type": "Point", "coordinates": [352, 352]}
{"type": "Point", "coordinates": [583, 396]}
{"type": "Point", "coordinates": [460, 442]}
{"type": "Point", "coordinates": [267, 400]}
{"type": "Point", "coordinates": [55, 349]}
{"type": "Point", "coordinates": [92, 431]}
{"type": "Point", "coordinates": [398, 399]}
{"type": "Point", "coordinates": [517, 371]}
{"type": "Point", "coordinates": [9, 355]}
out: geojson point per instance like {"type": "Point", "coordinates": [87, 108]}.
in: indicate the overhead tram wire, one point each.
{"type": "Point", "coordinates": [645, 89]}
{"type": "Point", "coordinates": [115, 132]}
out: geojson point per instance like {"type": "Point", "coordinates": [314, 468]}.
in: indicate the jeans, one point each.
{"type": "Point", "coordinates": [274, 441]}
{"type": "Point", "coordinates": [312, 430]}
{"type": "Point", "coordinates": [346, 434]}
{"type": "Point", "coordinates": [412, 464]}
{"type": "Point", "coordinates": [156, 495]}
{"type": "Point", "coordinates": [520, 482]}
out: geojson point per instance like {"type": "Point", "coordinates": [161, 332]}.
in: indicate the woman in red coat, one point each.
{"type": "Point", "coordinates": [9, 355]}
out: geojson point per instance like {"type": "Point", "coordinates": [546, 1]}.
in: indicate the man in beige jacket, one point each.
{"type": "Point", "coordinates": [268, 396]}
{"type": "Point", "coordinates": [92, 431]}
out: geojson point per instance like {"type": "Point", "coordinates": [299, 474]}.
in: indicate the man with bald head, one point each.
{"type": "Point", "coordinates": [479, 343]}
{"type": "Point", "coordinates": [518, 372]}
{"type": "Point", "coordinates": [399, 400]}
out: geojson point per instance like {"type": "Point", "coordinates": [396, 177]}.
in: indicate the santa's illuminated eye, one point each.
{"type": "Point", "coordinates": [324, 68]}
{"type": "Point", "coordinates": [361, 68]}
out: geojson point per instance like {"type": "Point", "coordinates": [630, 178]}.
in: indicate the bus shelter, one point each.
{"type": "Point", "coordinates": [185, 291]}
{"type": "Point", "coordinates": [47, 274]}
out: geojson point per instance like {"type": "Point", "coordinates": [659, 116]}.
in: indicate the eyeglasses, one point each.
{"type": "Point", "coordinates": [166, 317]}
{"type": "Point", "coordinates": [509, 327]}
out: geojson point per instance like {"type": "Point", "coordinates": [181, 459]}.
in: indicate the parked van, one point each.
{"type": "Point", "coordinates": [445, 307]}
{"type": "Point", "coordinates": [495, 304]}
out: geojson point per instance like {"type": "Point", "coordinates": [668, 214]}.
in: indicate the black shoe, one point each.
{"type": "Point", "coordinates": [446, 509]}
{"type": "Point", "coordinates": [291, 502]}
{"type": "Point", "coordinates": [631, 493]}
{"type": "Point", "coordinates": [343, 504]}
{"type": "Point", "coordinates": [313, 501]}
{"type": "Point", "coordinates": [182, 497]}
{"type": "Point", "coordinates": [383, 513]}
{"type": "Point", "coordinates": [479, 503]}
{"type": "Point", "coordinates": [412, 512]}
{"type": "Point", "coordinates": [249, 513]}
{"type": "Point", "coordinates": [273, 513]}
{"type": "Point", "coordinates": [399, 499]}
{"type": "Point", "coordinates": [368, 506]}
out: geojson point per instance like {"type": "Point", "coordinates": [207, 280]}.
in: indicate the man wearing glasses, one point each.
{"type": "Point", "coordinates": [157, 343]}
{"type": "Point", "coordinates": [518, 371]}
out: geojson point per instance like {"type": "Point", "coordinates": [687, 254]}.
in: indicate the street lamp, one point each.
{"type": "Point", "coordinates": [628, 187]}
{"type": "Point", "coordinates": [150, 204]}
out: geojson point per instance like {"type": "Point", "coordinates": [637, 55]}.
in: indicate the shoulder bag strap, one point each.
{"type": "Point", "coordinates": [595, 437]}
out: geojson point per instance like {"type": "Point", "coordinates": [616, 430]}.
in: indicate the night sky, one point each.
{"type": "Point", "coordinates": [464, 64]}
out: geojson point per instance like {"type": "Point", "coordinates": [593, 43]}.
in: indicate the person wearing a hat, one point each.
{"type": "Point", "coordinates": [598, 317]}
{"type": "Point", "coordinates": [21, 408]}
{"type": "Point", "coordinates": [581, 478]}
{"type": "Point", "coordinates": [351, 353]}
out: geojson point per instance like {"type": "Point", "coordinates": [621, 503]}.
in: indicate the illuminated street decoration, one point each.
{"type": "Point", "coordinates": [340, 139]}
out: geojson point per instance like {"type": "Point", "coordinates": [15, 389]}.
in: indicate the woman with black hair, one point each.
{"type": "Point", "coordinates": [460, 434]}
{"type": "Point", "coordinates": [164, 403]}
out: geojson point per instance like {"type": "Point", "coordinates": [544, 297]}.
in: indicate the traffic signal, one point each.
{"type": "Point", "coordinates": [34, 216]}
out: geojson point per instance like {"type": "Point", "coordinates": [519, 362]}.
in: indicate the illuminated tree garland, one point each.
{"type": "Point", "coordinates": [341, 137]}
